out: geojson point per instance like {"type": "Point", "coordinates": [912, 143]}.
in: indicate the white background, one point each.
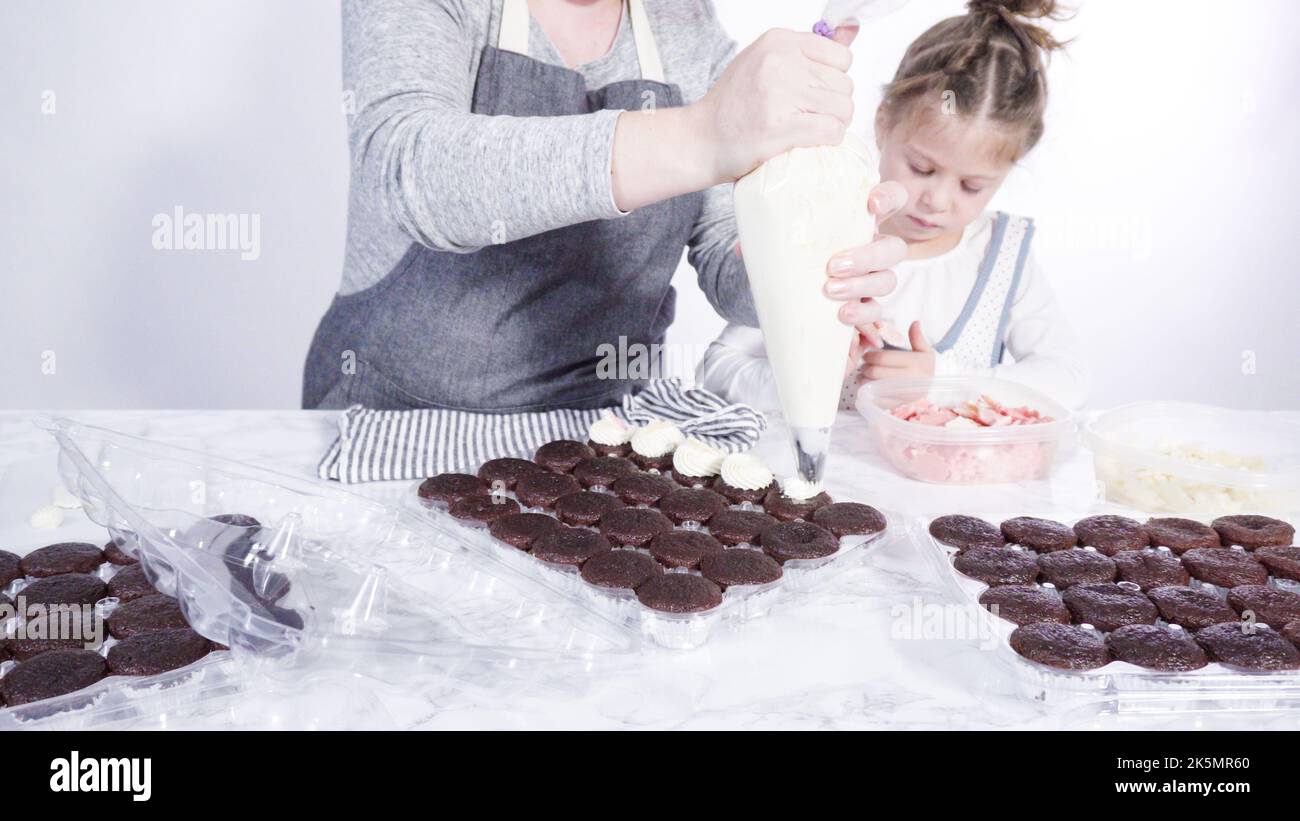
{"type": "Point", "coordinates": [1165, 191]}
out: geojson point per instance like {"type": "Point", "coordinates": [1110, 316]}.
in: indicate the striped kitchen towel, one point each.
{"type": "Point", "coordinates": [382, 445]}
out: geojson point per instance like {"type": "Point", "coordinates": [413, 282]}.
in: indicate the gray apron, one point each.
{"type": "Point", "coordinates": [517, 326]}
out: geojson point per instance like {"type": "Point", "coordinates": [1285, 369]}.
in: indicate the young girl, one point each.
{"type": "Point", "coordinates": [966, 103]}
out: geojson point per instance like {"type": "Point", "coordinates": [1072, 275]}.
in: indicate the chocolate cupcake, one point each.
{"type": "Point", "coordinates": [1265, 604]}
{"type": "Point", "coordinates": [786, 509]}
{"type": "Point", "coordinates": [683, 548]}
{"type": "Point", "coordinates": [1111, 534]}
{"type": "Point", "coordinates": [236, 520]}
{"type": "Point", "coordinates": [1250, 647]}
{"type": "Point", "coordinates": [569, 546]}
{"type": "Point", "coordinates": [1181, 535]}
{"type": "Point", "coordinates": [130, 584]}
{"type": "Point", "coordinates": [69, 588]}
{"type": "Point", "coordinates": [1064, 646]}
{"type": "Point", "coordinates": [1282, 562]}
{"type": "Point", "coordinates": [740, 566]}
{"type": "Point", "coordinates": [1025, 604]}
{"type": "Point", "coordinates": [653, 444]}
{"type": "Point", "coordinates": [849, 519]}
{"type": "Point", "coordinates": [1291, 633]}
{"type": "Point", "coordinates": [602, 471]}
{"type": "Point", "coordinates": [1150, 568]}
{"type": "Point", "coordinates": [23, 649]}
{"type": "Point", "coordinates": [149, 654]}
{"type": "Point", "coordinates": [562, 455]}
{"type": "Point", "coordinates": [1109, 607]}
{"type": "Point", "coordinates": [1251, 532]}
{"type": "Point", "coordinates": [1224, 566]}
{"type": "Point", "coordinates": [965, 532]}
{"type": "Point", "coordinates": [1191, 607]}
{"type": "Point", "coordinates": [633, 526]}
{"type": "Point", "coordinates": [610, 436]}
{"type": "Point", "coordinates": [997, 565]}
{"type": "Point", "coordinates": [51, 674]}
{"type": "Point", "coordinates": [622, 569]}
{"type": "Point", "coordinates": [679, 593]}
{"type": "Point", "coordinates": [743, 478]}
{"type": "Point", "coordinates": [10, 568]}
{"type": "Point", "coordinates": [483, 509]}
{"type": "Point", "coordinates": [522, 529]}
{"type": "Point", "coordinates": [65, 557]}
{"type": "Point", "coordinates": [506, 471]}
{"type": "Point", "coordinates": [585, 507]}
{"type": "Point", "coordinates": [114, 553]}
{"type": "Point", "coordinates": [1156, 647]}
{"type": "Point", "coordinates": [733, 527]}
{"type": "Point", "coordinates": [542, 489]}
{"type": "Point", "coordinates": [642, 488]}
{"type": "Point", "coordinates": [446, 488]}
{"type": "Point", "coordinates": [738, 495]}
{"type": "Point", "coordinates": [1075, 565]}
{"type": "Point", "coordinates": [787, 541]}
{"type": "Point", "coordinates": [1042, 535]}
{"type": "Point", "coordinates": [692, 505]}
{"type": "Point", "coordinates": [145, 615]}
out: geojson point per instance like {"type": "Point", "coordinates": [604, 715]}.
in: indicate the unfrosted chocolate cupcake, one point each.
{"type": "Point", "coordinates": [1156, 647]}
{"type": "Point", "coordinates": [130, 584]}
{"type": "Point", "coordinates": [965, 532]}
{"type": "Point", "coordinates": [1111, 534]}
{"type": "Point", "coordinates": [1181, 535]}
{"type": "Point", "coordinates": [1109, 607]}
{"type": "Point", "coordinates": [1224, 566]}
{"type": "Point", "coordinates": [522, 529]}
{"type": "Point", "coordinates": [633, 526]}
{"type": "Point", "coordinates": [585, 507]}
{"type": "Point", "coordinates": [1250, 647]}
{"type": "Point", "coordinates": [1075, 565]}
{"type": "Point", "coordinates": [114, 553]}
{"type": "Point", "coordinates": [64, 557]}
{"type": "Point", "coordinates": [1065, 646]}
{"type": "Point", "coordinates": [788, 510]}
{"type": "Point", "coordinates": [542, 489]}
{"type": "Point", "coordinates": [448, 487]}
{"type": "Point", "coordinates": [733, 527]}
{"type": "Point", "coordinates": [788, 541]}
{"type": "Point", "coordinates": [149, 654]}
{"type": "Point", "coordinates": [1190, 607]}
{"type": "Point", "coordinates": [1292, 633]}
{"type": "Point", "coordinates": [1042, 535]}
{"type": "Point", "coordinates": [692, 505]}
{"type": "Point", "coordinates": [144, 615]}
{"type": "Point", "coordinates": [1267, 605]}
{"type": "Point", "coordinates": [602, 471]}
{"type": "Point", "coordinates": [849, 519]}
{"type": "Point", "coordinates": [739, 566]}
{"type": "Point", "coordinates": [10, 568]}
{"type": "Point", "coordinates": [483, 509]}
{"type": "Point", "coordinates": [621, 569]}
{"type": "Point", "coordinates": [679, 593]}
{"type": "Point", "coordinates": [23, 649]}
{"type": "Point", "coordinates": [51, 674]}
{"type": "Point", "coordinates": [569, 546]}
{"type": "Point", "coordinates": [1282, 562]}
{"type": "Point", "coordinates": [1150, 568]}
{"type": "Point", "coordinates": [562, 455]}
{"type": "Point", "coordinates": [683, 548]}
{"type": "Point", "coordinates": [997, 565]}
{"type": "Point", "coordinates": [69, 588]}
{"type": "Point", "coordinates": [642, 488]}
{"type": "Point", "coordinates": [1253, 531]}
{"type": "Point", "coordinates": [1025, 604]}
{"type": "Point", "coordinates": [507, 471]}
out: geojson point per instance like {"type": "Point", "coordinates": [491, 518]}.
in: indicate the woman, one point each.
{"type": "Point", "coordinates": [525, 177]}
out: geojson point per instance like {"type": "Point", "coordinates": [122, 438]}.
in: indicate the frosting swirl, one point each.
{"type": "Point", "coordinates": [656, 438]}
{"type": "Point", "coordinates": [740, 470]}
{"type": "Point", "coordinates": [610, 431]}
{"type": "Point", "coordinates": [694, 458]}
{"type": "Point", "coordinates": [799, 488]}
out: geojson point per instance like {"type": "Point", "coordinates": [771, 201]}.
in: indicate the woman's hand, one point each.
{"type": "Point", "coordinates": [787, 89]}
{"type": "Point", "coordinates": [858, 275]}
{"type": "Point", "coordinates": [894, 364]}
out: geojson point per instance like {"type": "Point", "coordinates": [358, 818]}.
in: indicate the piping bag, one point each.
{"type": "Point", "coordinates": [793, 213]}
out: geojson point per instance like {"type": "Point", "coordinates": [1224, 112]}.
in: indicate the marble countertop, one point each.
{"type": "Point", "coordinates": [845, 656]}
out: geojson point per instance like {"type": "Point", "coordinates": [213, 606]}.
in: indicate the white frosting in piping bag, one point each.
{"type": "Point", "coordinates": [656, 438]}
{"type": "Point", "coordinates": [745, 472]}
{"type": "Point", "coordinates": [694, 458]}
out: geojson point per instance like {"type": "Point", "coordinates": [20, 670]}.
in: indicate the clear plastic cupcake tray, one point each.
{"type": "Point", "coordinates": [1211, 688]}
{"type": "Point", "coordinates": [325, 580]}
{"type": "Point", "coordinates": [676, 631]}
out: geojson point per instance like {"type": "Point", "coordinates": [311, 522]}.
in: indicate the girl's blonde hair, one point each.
{"type": "Point", "coordinates": [986, 65]}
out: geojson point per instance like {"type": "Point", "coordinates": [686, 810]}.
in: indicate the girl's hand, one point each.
{"type": "Point", "coordinates": [858, 275]}
{"type": "Point", "coordinates": [894, 364]}
{"type": "Point", "coordinates": [787, 89]}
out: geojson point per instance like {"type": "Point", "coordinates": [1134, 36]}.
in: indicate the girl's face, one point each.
{"type": "Point", "coordinates": [950, 167]}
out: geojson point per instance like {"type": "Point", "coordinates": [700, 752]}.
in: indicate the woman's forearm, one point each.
{"type": "Point", "coordinates": [659, 154]}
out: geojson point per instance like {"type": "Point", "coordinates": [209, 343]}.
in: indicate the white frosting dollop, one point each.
{"type": "Point", "coordinates": [741, 470]}
{"type": "Point", "coordinates": [799, 488]}
{"type": "Point", "coordinates": [694, 458]}
{"type": "Point", "coordinates": [610, 431]}
{"type": "Point", "coordinates": [47, 518]}
{"type": "Point", "coordinates": [657, 438]}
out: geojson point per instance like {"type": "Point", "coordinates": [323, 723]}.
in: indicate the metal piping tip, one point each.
{"type": "Point", "coordinates": [810, 448]}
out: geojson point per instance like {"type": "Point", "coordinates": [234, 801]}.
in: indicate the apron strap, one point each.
{"type": "Point", "coordinates": [513, 35]}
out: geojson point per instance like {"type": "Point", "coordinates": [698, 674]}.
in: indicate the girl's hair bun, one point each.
{"type": "Point", "coordinates": [1020, 8]}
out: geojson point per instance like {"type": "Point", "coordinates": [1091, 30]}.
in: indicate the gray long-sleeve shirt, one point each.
{"type": "Point", "coordinates": [426, 169]}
